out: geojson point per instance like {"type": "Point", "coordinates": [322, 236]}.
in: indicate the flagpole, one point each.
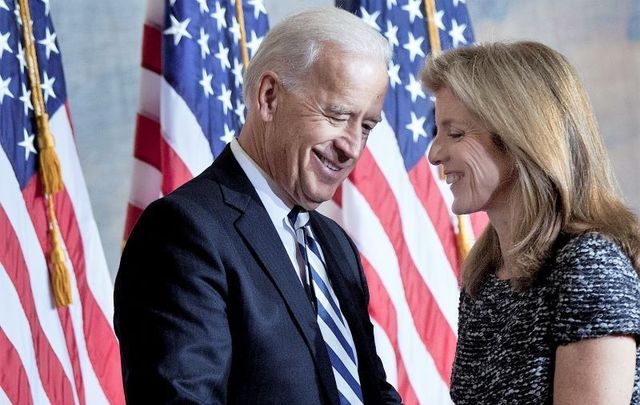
{"type": "Point", "coordinates": [49, 165]}
{"type": "Point", "coordinates": [243, 34]}
{"type": "Point", "coordinates": [463, 239]}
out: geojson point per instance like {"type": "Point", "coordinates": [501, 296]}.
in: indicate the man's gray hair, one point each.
{"type": "Point", "coordinates": [291, 47]}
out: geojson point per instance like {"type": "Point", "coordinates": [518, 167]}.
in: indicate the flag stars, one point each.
{"type": "Point", "coordinates": [46, 7]}
{"type": "Point", "coordinates": [3, 4]}
{"type": "Point", "coordinates": [49, 42]}
{"type": "Point", "coordinates": [223, 56]}
{"type": "Point", "coordinates": [204, 8]}
{"type": "Point", "coordinates": [370, 19]}
{"type": "Point", "coordinates": [391, 3]}
{"type": "Point", "coordinates": [258, 7]}
{"type": "Point", "coordinates": [239, 111]}
{"type": "Point", "coordinates": [203, 41]}
{"type": "Point", "coordinates": [413, 8]}
{"type": "Point", "coordinates": [20, 56]}
{"type": "Point", "coordinates": [225, 98]}
{"type": "Point", "coordinates": [414, 46]}
{"type": "Point", "coordinates": [205, 82]}
{"type": "Point", "coordinates": [218, 15]}
{"type": "Point", "coordinates": [4, 43]}
{"type": "Point", "coordinates": [229, 134]}
{"type": "Point", "coordinates": [47, 87]}
{"type": "Point", "coordinates": [178, 29]}
{"type": "Point", "coordinates": [438, 20]}
{"type": "Point", "coordinates": [392, 34]}
{"type": "Point", "coordinates": [414, 88]}
{"type": "Point", "coordinates": [254, 44]}
{"type": "Point", "coordinates": [394, 74]}
{"type": "Point", "coordinates": [237, 73]}
{"type": "Point", "coordinates": [235, 30]}
{"type": "Point", "coordinates": [27, 144]}
{"type": "Point", "coordinates": [4, 88]}
{"type": "Point", "coordinates": [417, 127]}
{"type": "Point", "coordinates": [456, 2]}
{"type": "Point", "coordinates": [457, 33]}
{"type": "Point", "coordinates": [26, 99]}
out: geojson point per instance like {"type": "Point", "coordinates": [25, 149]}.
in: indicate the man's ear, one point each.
{"type": "Point", "coordinates": [269, 90]}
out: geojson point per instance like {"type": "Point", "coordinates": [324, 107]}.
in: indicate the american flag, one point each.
{"type": "Point", "coordinates": [396, 208]}
{"type": "Point", "coordinates": [191, 91]}
{"type": "Point", "coordinates": [47, 355]}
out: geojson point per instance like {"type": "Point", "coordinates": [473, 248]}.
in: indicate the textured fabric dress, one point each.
{"type": "Point", "coordinates": [507, 340]}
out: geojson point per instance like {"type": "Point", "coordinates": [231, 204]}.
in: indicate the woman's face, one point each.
{"type": "Point", "coordinates": [476, 169]}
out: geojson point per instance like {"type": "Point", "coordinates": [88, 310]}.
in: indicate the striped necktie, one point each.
{"type": "Point", "coordinates": [334, 328]}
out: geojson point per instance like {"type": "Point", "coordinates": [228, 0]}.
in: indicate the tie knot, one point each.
{"type": "Point", "coordinates": [298, 217]}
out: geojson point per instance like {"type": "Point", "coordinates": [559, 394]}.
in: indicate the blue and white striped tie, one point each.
{"type": "Point", "coordinates": [334, 328]}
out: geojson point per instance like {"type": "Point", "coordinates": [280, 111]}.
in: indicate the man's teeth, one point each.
{"type": "Point", "coordinates": [452, 178]}
{"type": "Point", "coordinates": [327, 163]}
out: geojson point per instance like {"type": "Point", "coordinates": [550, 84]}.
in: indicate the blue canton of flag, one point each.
{"type": "Point", "coordinates": [203, 61]}
{"type": "Point", "coordinates": [17, 128]}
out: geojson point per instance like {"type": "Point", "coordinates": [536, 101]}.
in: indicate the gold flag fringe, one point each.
{"type": "Point", "coordinates": [463, 238]}
{"type": "Point", "coordinates": [49, 169]}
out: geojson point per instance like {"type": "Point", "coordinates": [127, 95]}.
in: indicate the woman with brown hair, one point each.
{"type": "Point", "coordinates": [550, 302]}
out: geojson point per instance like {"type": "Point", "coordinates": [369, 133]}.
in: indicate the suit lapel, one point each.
{"type": "Point", "coordinates": [255, 227]}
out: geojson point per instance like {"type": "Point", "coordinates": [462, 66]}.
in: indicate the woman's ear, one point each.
{"type": "Point", "coordinates": [269, 89]}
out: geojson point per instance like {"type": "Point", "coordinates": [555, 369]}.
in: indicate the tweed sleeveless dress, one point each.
{"type": "Point", "coordinates": [507, 340]}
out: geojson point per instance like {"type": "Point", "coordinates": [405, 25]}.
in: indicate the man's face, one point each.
{"type": "Point", "coordinates": [317, 134]}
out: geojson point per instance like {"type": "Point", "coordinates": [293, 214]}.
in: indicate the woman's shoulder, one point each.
{"type": "Point", "coordinates": [596, 287]}
{"type": "Point", "coordinates": [588, 254]}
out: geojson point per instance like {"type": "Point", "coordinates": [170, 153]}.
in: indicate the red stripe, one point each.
{"type": "Point", "coordinates": [101, 344]}
{"type": "Point", "coordinates": [54, 381]}
{"type": "Point", "coordinates": [151, 49]}
{"type": "Point", "coordinates": [13, 377]}
{"type": "Point", "coordinates": [133, 213]}
{"type": "Point", "coordinates": [174, 172]}
{"type": "Point", "coordinates": [431, 324]}
{"type": "Point", "coordinates": [429, 195]}
{"type": "Point", "coordinates": [36, 207]}
{"type": "Point", "coordinates": [147, 143]}
{"type": "Point", "coordinates": [382, 310]}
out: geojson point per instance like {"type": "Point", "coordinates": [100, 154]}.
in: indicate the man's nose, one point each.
{"type": "Point", "coordinates": [350, 144]}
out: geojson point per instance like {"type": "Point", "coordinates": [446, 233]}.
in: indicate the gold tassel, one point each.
{"type": "Point", "coordinates": [60, 283]}
{"type": "Point", "coordinates": [49, 169]}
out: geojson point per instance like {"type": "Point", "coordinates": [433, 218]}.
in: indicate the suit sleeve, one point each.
{"type": "Point", "coordinates": [170, 310]}
{"type": "Point", "coordinates": [388, 393]}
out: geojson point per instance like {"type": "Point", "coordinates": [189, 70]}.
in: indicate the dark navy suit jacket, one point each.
{"type": "Point", "coordinates": [209, 309]}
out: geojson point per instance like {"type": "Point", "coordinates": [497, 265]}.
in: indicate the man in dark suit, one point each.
{"type": "Point", "coordinates": [225, 293]}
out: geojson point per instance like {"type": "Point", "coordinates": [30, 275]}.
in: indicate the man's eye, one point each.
{"type": "Point", "coordinates": [456, 135]}
{"type": "Point", "coordinates": [338, 119]}
{"type": "Point", "coordinates": [366, 129]}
